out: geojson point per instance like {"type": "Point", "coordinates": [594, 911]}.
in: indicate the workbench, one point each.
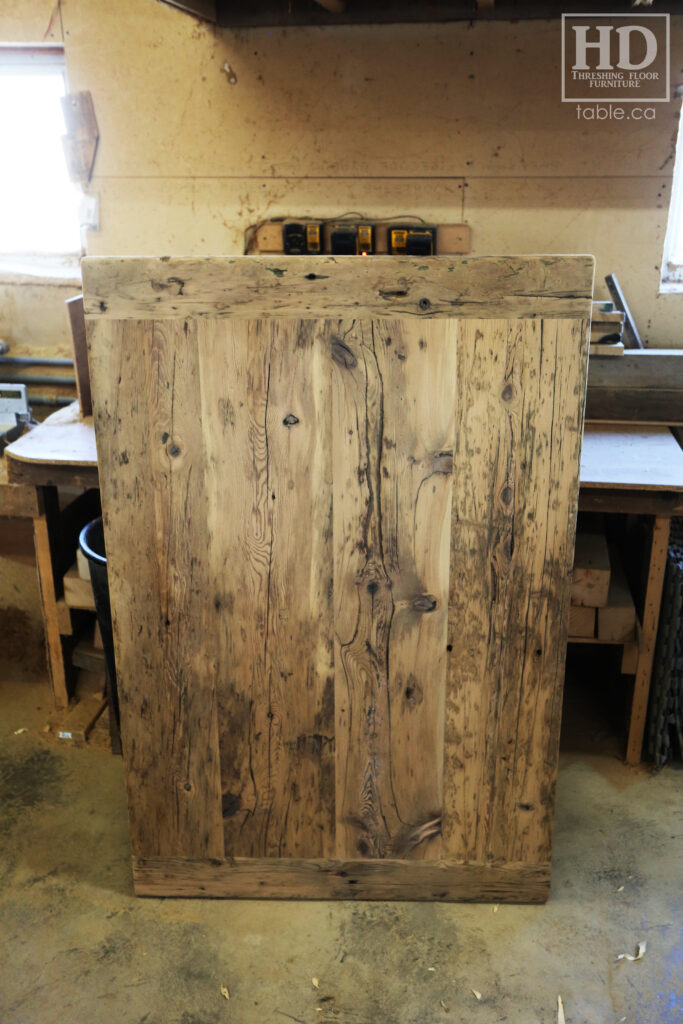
{"type": "Point", "coordinates": [625, 468]}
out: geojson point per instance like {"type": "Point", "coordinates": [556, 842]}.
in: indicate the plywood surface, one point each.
{"type": "Point", "coordinates": [621, 456]}
{"type": "Point", "coordinates": [64, 438]}
{"type": "Point", "coordinates": [322, 532]}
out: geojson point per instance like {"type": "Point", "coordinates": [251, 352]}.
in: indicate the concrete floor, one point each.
{"type": "Point", "coordinates": [77, 947]}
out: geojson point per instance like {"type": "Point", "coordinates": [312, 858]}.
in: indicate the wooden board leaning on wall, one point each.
{"type": "Point", "coordinates": [341, 674]}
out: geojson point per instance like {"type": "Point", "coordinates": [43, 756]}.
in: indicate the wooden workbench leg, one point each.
{"type": "Point", "coordinates": [646, 653]}
{"type": "Point", "coordinates": [43, 530]}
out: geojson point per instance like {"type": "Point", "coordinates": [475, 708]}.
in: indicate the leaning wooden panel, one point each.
{"type": "Point", "coordinates": [297, 508]}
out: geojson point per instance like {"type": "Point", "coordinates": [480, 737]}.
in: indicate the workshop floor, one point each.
{"type": "Point", "coordinates": [76, 947]}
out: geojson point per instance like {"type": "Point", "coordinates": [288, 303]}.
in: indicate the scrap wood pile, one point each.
{"type": "Point", "coordinates": [607, 328]}
{"type": "Point", "coordinates": [602, 607]}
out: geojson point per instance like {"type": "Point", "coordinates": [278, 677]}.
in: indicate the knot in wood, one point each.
{"type": "Point", "coordinates": [424, 305]}
{"type": "Point", "coordinates": [342, 354]}
{"type": "Point", "coordinates": [424, 603]}
{"type": "Point", "coordinates": [290, 420]}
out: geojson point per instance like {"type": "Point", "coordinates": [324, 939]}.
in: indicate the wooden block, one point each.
{"type": "Point", "coordinates": [75, 724]}
{"type": "Point", "coordinates": [581, 620]}
{"type": "Point", "coordinates": [591, 573]}
{"type": "Point", "coordinates": [614, 348]}
{"type": "Point", "coordinates": [77, 591]}
{"type": "Point", "coordinates": [617, 620]}
{"type": "Point", "coordinates": [82, 565]}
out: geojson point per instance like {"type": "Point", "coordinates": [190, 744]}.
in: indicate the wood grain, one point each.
{"type": "Point", "coordinates": [146, 379]}
{"type": "Point", "coordinates": [339, 554]}
{"type": "Point", "coordinates": [514, 510]}
{"type": "Point", "coordinates": [393, 454]}
{"type": "Point", "coordinates": [342, 880]}
{"type": "Point", "coordinates": [269, 530]}
{"type": "Point", "coordinates": [329, 286]}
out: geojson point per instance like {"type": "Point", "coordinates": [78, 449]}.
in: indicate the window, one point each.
{"type": "Point", "coordinates": [38, 202]}
{"type": "Point", "coordinates": [672, 260]}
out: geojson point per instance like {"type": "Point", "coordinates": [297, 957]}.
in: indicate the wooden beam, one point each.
{"type": "Point", "coordinates": [557, 287]}
{"type": "Point", "coordinates": [653, 600]}
{"type": "Point", "coordinates": [271, 878]}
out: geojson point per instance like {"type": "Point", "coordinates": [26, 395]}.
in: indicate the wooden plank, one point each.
{"type": "Point", "coordinates": [146, 382]}
{"type": "Point", "coordinates": [78, 592]}
{"type": "Point", "coordinates": [581, 621]}
{"type": "Point", "coordinates": [265, 398]}
{"type": "Point", "coordinates": [329, 286]}
{"type": "Point", "coordinates": [86, 656]}
{"type": "Point", "coordinates": [44, 527]}
{"type": "Point", "coordinates": [591, 571]}
{"type": "Point", "coordinates": [393, 454]}
{"type": "Point", "coordinates": [16, 500]}
{"type": "Point", "coordinates": [76, 723]}
{"type": "Point", "coordinates": [516, 482]}
{"type": "Point", "coordinates": [647, 503]}
{"type": "Point", "coordinates": [640, 458]}
{"type": "Point", "coordinates": [629, 659]}
{"type": "Point", "coordinates": [648, 640]}
{"type": "Point", "coordinates": [645, 386]}
{"type": "Point", "coordinates": [617, 619]}
{"type": "Point", "coordinates": [64, 617]}
{"type": "Point", "coordinates": [344, 880]}
{"type": "Point", "coordinates": [74, 308]}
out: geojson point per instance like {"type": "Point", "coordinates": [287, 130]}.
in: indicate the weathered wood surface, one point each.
{"type": "Point", "coordinates": [514, 510]}
{"type": "Point", "coordinates": [338, 286]}
{"type": "Point", "coordinates": [343, 880]}
{"type": "Point", "coordinates": [339, 564]}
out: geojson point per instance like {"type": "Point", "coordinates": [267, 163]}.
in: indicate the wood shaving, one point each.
{"type": "Point", "coordinates": [477, 995]}
{"type": "Point", "coordinates": [18, 732]}
{"type": "Point", "coordinates": [315, 983]}
{"type": "Point", "coordinates": [443, 1005]}
{"type": "Point", "coordinates": [224, 992]}
{"type": "Point", "coordinates": [560, 1011]}
{"type": "Point", "coordinates": [431, 968]}
{"type": "Point", "coordinates": [642, 946]}
{"type": "Point", "coordinates": [495, 908]}
{"type": "Point", "coordinates": [620, 889]}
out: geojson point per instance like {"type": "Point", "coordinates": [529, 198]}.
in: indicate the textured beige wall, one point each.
{"type": "Point", "coordinates": [449, 120]}
{"type": "Point", "coordinates": [30, 21]}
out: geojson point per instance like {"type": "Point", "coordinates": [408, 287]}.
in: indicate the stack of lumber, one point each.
{"type": "Point", "coordinates": [602, 607]}
{"type": "Point", "coordinates": [607, 326]}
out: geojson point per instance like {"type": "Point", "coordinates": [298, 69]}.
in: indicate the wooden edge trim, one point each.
{"type": "Point", "coordinates": [19, 501]}
{"type": "Point", "coordinates": [266, 878]}
{"type": "Point", "coordinates": [313, 287]}
{"type": "Point", "coordinates": [593, 498]}
{"type": "Point", "coordinates": [45, 474]}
